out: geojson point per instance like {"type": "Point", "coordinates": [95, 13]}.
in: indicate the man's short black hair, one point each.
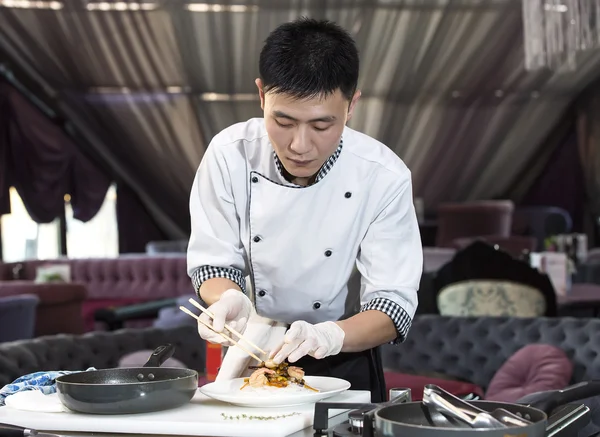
{"type": "Point", "coordinates": [308, 58]}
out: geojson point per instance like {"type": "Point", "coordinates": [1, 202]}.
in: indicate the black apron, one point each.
{"type": "Point", "coordinates": [363, 370]}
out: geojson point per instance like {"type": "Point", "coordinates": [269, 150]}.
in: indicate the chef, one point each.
{"type": "Point", "coordinates": [294, 201]}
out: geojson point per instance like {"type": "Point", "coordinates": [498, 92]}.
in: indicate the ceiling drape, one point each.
{"type": "Point", "coordinates": [443, 83]}
{"type": "Point", "coordinates": [38, 158]}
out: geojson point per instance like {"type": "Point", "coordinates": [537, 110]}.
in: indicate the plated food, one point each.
{"type": "Point", "coordinates": [271, 375]}
{"type": "Point", "coordinates": [267, 396]}
{"type": "Point", "coordinates": [269, 385]}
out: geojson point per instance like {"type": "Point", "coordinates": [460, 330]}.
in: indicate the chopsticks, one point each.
{"type": "Point", "coordinates": [225, 336]}
{"type": "Point", "coordinates": [233, 331]}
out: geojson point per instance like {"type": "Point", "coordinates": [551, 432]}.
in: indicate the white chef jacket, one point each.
{"type": "Point", "coordinates": [299, 245]}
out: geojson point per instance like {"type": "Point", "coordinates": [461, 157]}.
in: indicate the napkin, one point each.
{"type": "Point", "coordinates": [43, 382]}
{"type": "Point", "coordinates": [263, 332]}
{"type": "Point", "coordinates": [35, 400]}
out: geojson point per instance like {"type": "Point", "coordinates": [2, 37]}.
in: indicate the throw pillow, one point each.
{"type": "Point", "coordinates": [533, 368]}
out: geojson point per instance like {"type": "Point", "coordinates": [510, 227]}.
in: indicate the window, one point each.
{"type": "Point", "coordinates": [23, 239]}
{"type": "Point", "coordinates": [98, 238]}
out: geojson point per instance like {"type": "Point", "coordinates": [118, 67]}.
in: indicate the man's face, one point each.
{"type": "Point", "coordinates": [304, 133]}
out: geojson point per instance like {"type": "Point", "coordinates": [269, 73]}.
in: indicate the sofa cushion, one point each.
{"type": "Point", "coordinates": [474, 348]}
{"type": "Point", "coordinates": [533, 368]}
{"type": "Point", "coordinates": [127, 276]}
{"type": "Point", "coordinates": [417, 382]}
{"type": "Point", "coordinates": [49, 293]}
{"type": "Point", "coordinates": [99, 349]}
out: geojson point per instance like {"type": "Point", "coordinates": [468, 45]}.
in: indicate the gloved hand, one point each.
{"type": "Point", "coordinates": [233, 309]}
{"type": "Point", "coordinates": [319, 341]}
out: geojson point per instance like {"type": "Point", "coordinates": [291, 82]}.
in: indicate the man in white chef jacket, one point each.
{"type": "Point", "coordinates": [295, 201]}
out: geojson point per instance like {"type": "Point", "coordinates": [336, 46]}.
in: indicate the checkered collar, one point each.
{"type": "Point", "coordinates": [327, 165]}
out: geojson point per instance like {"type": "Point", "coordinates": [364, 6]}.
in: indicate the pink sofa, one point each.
{"type": "Point", "coordinates": [114, 281]}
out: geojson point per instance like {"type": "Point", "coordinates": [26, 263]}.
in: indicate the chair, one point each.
{"type": "Point", "coordinates": [458, 220]}
{"type": "Point", "coordinates": [541, 222]}
{"type": "Point", "coordinates": [17, 317]}
{"type": "Point", "coordinates": [481, 262]}
{"type": "Point", "coordinates": [491, 298]}
{"type": "Point", "coordinates": [60, 305]}
{"type": "Point", "coordinates": [516, 245]}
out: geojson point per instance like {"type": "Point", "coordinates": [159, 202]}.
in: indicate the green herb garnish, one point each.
{"type": "Point", "coordinates": [245, 416]}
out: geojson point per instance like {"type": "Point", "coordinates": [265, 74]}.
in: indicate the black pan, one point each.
{"type": "Point", "coordinates": [129, 390]}
{"type": "Point", "coordinates": [412, 419]}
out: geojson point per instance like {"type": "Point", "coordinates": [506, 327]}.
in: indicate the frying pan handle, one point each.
{"type": "Point", "coordinates": [160, 355]}
{"type": "Point", "coordinates": [576, 392]}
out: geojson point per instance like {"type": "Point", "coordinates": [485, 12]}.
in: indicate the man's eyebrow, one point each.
{"type": "Point", "coordinates": [325, 119]}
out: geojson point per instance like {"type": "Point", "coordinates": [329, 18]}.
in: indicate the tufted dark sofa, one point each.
{"type": "Point", "coordinates": [473, 349]}
{"type": "Point", "coordinates": [99, 349]}
{"type": "Point", "coordinates": [469, 348]}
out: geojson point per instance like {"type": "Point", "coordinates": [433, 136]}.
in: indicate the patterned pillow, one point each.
{"type": "Point", "coordinates": [533, 368]}
{"type": "Point", "coordinates": [491, 298]}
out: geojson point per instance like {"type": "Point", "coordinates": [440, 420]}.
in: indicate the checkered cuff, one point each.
{"type": "Point", "coordinates": [401, 319]}
{"type": "Point", "coordinates": [209, 272]}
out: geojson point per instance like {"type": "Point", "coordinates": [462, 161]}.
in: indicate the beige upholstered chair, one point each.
{"type": "Point", "coordinates": [478, 298]}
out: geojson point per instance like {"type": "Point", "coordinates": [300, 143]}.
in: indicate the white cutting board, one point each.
{"type": "Point", "coordinates": [201, 417]}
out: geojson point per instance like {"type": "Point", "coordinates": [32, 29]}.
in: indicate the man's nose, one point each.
{"type": "Point", "coordinates": [301, 142]}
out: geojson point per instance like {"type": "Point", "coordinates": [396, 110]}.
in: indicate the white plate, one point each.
{"type": "Point", "coordinates": [229, 391]}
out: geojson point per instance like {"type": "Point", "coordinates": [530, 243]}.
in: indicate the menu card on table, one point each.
{"type": "Point", "coordinates": [555, 265]}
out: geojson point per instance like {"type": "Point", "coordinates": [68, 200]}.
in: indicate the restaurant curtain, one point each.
{"type": "Point", "coordinates": [39, 159]}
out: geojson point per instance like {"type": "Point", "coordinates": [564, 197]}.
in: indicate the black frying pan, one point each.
{"type": "Point", "coordinates": [411, 419]}
{"type": "Point", "coordinates": [129, 390]}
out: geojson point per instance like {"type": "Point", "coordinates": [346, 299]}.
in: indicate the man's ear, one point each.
{"type": "Point", "coordinates": [352, 105]}
{"type": "Point", "coordinates": [261, 93]}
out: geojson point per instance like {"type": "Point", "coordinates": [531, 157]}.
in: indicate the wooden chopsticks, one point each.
{"type": "Point", "coordinates": [233, 331]}
{"type": "Point", "coordinates": [225, 336]}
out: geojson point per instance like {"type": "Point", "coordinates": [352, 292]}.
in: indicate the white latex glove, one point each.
{"type": "Point", "coordinates": [264, 333]}
{"type": "Point", "coordinates": [233, 309]}
{"type": "Point", "coordinates": [318, 341]}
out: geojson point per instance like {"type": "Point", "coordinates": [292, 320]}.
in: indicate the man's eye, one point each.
{"type": "Point", "coordinates": [321, 129]}
{"type": "Point", "coordinates": [283, 125]}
